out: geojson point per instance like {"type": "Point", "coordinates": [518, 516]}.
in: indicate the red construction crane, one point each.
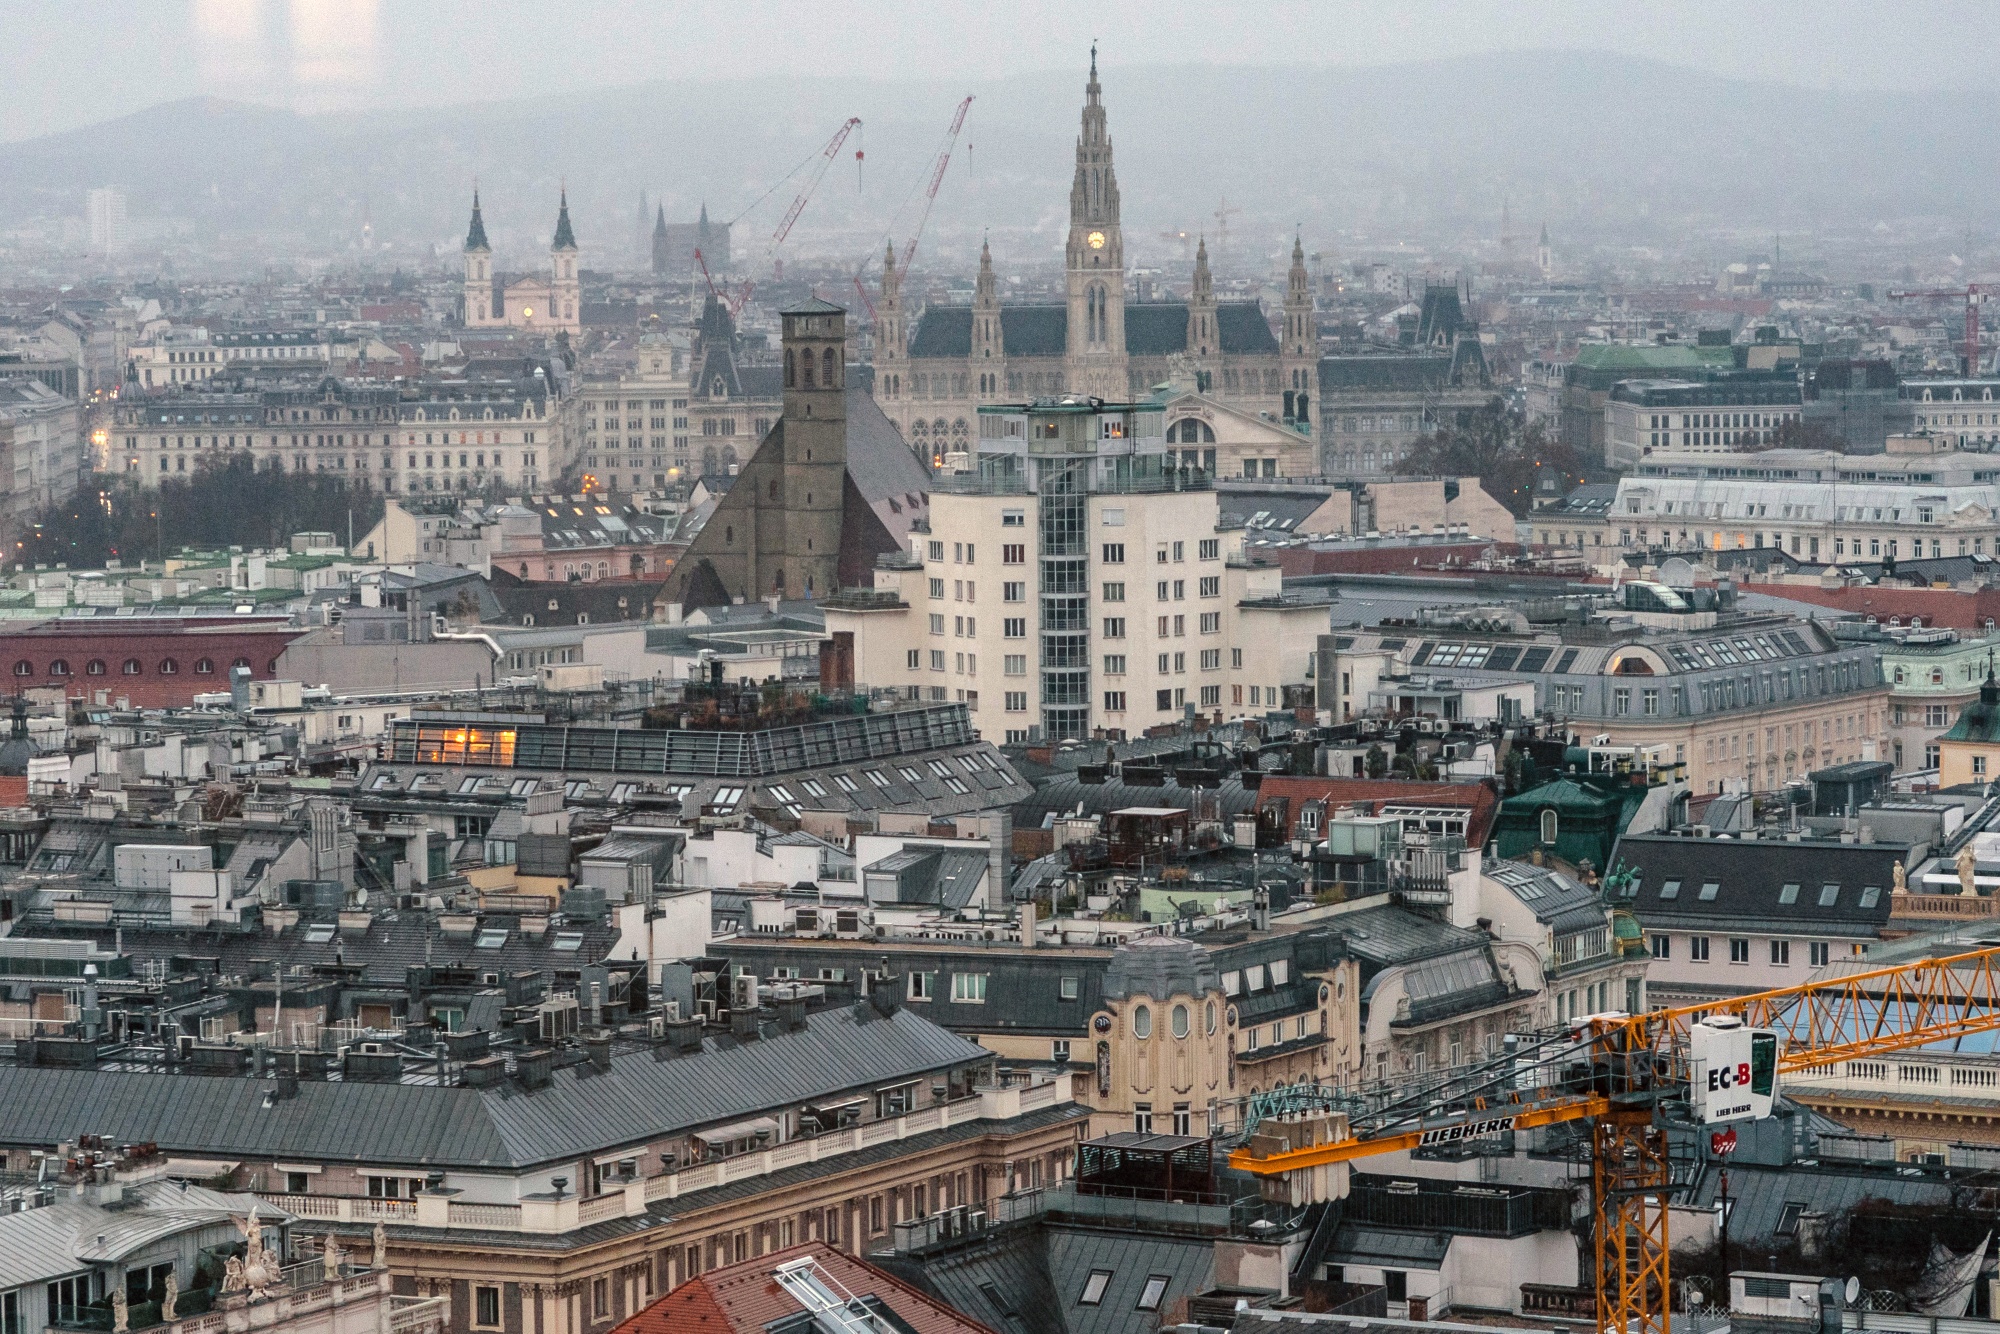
{"type": "Point", "coordinates": [937, 179]}
{"type": "Point", "coordinates": [930, 197]}
{"type": "Point", "coordinates": [819, 162]}
{"type": "Point", "coordinates": [1974, 295]}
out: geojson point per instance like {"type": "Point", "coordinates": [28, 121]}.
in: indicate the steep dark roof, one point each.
{"type": "Point", "coordinates": [1158, 330]}
{"type": "Point", "coordinates": [1752, 879]}
{"type": "Point", "coordinates": [1152, 329]}
{"type": "Point", "coordinates": [812, 305]}
{"type": "Point", "coordinates": [1406, 372]}
{"type": "Point", "coordinates": [1243, 328]}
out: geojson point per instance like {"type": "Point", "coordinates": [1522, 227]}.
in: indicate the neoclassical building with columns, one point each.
{"type": "Point", "coordinates": [931, 379]}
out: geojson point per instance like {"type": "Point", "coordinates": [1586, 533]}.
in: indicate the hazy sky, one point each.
{"type": "Point", "coordinates": [72, 62]}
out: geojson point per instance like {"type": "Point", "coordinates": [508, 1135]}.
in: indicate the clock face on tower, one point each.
{"type": "Point", "coordinates": [1096, 240]}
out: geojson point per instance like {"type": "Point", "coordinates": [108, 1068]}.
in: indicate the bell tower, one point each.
{"type": "Point", "coordinates": [1298, 352]}
{"type": "Point", "coordinates": [1095, 260]}
{"type": "Point", "coordinates": [892, 347]}
{"type": "Point", "coordinates": [810, 487]}
{"type": "Point", "coordinates": [565, 289]}
{"type": "Point", "coordinates": [989, 348]}
{"type": "Point", "coordinates": [478, 297]}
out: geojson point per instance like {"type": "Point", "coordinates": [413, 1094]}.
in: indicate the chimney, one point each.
{"type": "Point", "coordinates": [598, 1047]}
{"type": "Point", "coordinates": [790, 1005]}
{"type": "Point", "coordinates": [1028, 924]}
{"type": "Point", "coordinates": [534, 1067]}
{"type": "Point", "coordinates": [684, 1035]}
{"type": "Point", "coordinates": [743, 1023]}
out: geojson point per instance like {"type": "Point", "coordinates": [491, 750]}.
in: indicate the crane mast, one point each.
{"type": "Point", "coordinates": [937, 179]}
{"type": "Point", "coordinates": [1630, 1076]}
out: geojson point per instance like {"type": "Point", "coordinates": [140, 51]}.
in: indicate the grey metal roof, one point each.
{"type": "Point", "coordinates": [1557, 900]}
{"type": "Point", "coordinates": [1132, 1258]}
{"type": "Point", "coordinates": [1359, 1244]}
{"type": "Point", "coordinates": [1758, 1194]}
{"type": "Point", "coordinates": [581, 1111]}
{"type": "Point", "coordinates": [1390, 935]}
{"type": "Point", "coordinates": [69, 1235]}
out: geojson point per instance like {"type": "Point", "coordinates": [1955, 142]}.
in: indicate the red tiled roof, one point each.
{"type": "Point", "coordinates": [1374, 793]}
{"type": "Point", "coordinates": [745, 1299]}
{"type": "Point", "coordinates": [1960, 610]}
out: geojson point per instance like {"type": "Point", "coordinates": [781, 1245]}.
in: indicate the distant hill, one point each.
{"type": "Point", "coordinates": [1611, 146]}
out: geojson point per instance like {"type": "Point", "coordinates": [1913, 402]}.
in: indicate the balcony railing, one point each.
{"type": "Point", "coordinates": [555, 1215]}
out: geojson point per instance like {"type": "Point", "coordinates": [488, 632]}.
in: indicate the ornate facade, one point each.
{"type": "Point", "coordinates": [931, 382]}
{"type": "Point", "coordinates": [550, 304]}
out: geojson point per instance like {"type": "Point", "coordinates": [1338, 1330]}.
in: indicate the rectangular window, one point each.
{"type": "Point", "coordinates": [1789, 894]}
{"type": "Point", "coordinates": [1014, 664]}
{"type": "Point", "coordinates": [937, 588]}
{"type": "Point", "coordinates": [1014, 627]}
{"type": "Point", "coordinates": [1211, 623]}
{"type": "Point", "coordinates": [1829, 895]}
{"type": "Point", "coordinates": [1014, 591]}
{"type": "Point", "coordinates": [1114, 553]}
{"type": "Point", "coordinates": [1059, 1050]}
{"type": "Point", "coordinates": [1210, 548]}
{"type": "Point", "coordinates": [1155, 1290]}
{"type": "Point", "coordinates": [1211, 586]}
{"type": "Point", "coordinates": [1781, 952]}
{"type": "Point", "coordinates": [1114, 664]}
{"type": "Point", "coordinates": [937, 623]}
{"type": "Point", "coordinates": [1817, 953]}
{"type": "Point", "coordinates": [923, 986]}
{"type": "Point", "coordinates": [1163, 700]}
{"type": "Point", "coordinates": [600, 1298]}
{"type": "Point", "coordinates": [1114, 627]}
{"type": "Point", "coordinates": [1114, 592]}
{"type": "Point", "coordinates": [1698, 948]}
{"type": "Point", "coordinates": [1739, 950]}
{"type": "Point", "coordinates": [968, 988]}
{"type": "Point", "coordinates": [1017, 701]}
{"type": "Point", "coordinates": [1708, 892]}
{"type": "Point", "coordinates": [1069, 988]}
{"type": "Point", "coordinates": [486, 1307]}
{"type": "Point", "coordinates": [1663, 947]}
{"type": "Point", "coordinates": [1114, 701]}
{"type": "Point", "coordinates": [1013, 553]}
{"type": "Point", "coordinates": [1093, 1288]}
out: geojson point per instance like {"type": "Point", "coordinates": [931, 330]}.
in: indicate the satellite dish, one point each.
{"type": "Point", "coordinates": [360, 898]}
{"type": "Point", "coordinates": [1853, 1290]}
{"type": "Point", "coordinates": [1676, 573]}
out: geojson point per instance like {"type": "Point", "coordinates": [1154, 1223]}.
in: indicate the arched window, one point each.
{"type": "Point", "coordinates": [168, 667]}
{"type": "Point", "coordinates": [24, 668]}
{"type": "Point", "coordinates": [204, 667]}
{"type": "Point", "coordinates": [95, 667]}
{"type": "Point", "coordinates": [1548, 826]}
{"type": "Point", "coordinates": [59, 667]}
{"type": "Point", "coordinates": [826, 375]}
{"type": "Point", "coordinates": [788, 368]}
{"type": "Point", "coordinates": [132, 667]}
{"type": "Point", "coordinates": [807, 369]}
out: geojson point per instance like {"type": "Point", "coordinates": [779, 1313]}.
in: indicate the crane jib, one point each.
{"type": "Point", "coordinates": [1465, 1130]}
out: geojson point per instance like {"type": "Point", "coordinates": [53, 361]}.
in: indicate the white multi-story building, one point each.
{"type": "Point", "coordinates": [460, 437]}
{"type": "Point", "coordinates": [627, 424]}
{"type": "Point", "coordinates": [1715, 416]}
{"type": "Point", "coordinates": [42, 456]}
{"type": "Point", "coordinates": [1074, 580]}
{"type": "Point", "coordinates": [104, 219]}
{"type": "Point", "coordinates": [1922, 499]}
{"type": "Point", "coordinates": [190, 355]}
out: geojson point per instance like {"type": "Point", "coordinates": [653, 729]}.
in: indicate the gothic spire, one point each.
{"type": "Point", "coordinates": [475, 235]}
{"type": "Point", "coordinates": [1204, 286]}
{"type": "Point", "coordinates": [660, 222]}
{"type": "Point", "coordinates": [986, 290]}
{"type": "Point", "coordinates": [565, 238]}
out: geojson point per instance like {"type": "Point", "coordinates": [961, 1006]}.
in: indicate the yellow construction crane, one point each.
{"type": "Point", "coordinates": [1632, 1076]}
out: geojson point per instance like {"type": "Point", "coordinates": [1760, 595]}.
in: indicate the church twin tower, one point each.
{"type": "Point", "coordinates": [547, 304]}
